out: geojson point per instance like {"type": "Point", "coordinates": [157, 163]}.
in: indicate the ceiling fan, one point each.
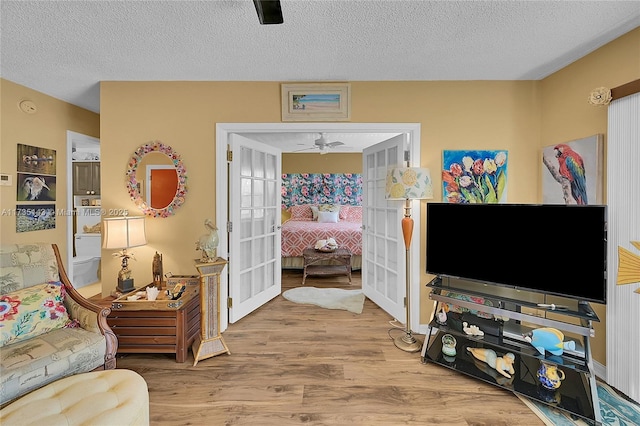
{"type": "Point", "coordinates": [269, 11]}
{"type": "Point", "coordinates": [323, 144]}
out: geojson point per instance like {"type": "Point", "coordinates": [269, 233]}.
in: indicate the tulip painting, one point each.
{"type": "Point", "coordinates": [474, 176]}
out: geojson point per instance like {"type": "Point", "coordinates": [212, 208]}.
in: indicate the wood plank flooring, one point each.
{"type": "Point", "coordinates": [293, 364]}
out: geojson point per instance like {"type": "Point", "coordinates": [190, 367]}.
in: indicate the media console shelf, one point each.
{"type": "Point", "coordinates": [519, 313]}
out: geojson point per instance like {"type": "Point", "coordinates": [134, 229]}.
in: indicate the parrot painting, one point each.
{"type": "Point", "coordinates": [571, 167]}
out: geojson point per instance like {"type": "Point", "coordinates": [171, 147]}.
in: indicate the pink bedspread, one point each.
{"type": "Point", "coordinates": [298, 235]}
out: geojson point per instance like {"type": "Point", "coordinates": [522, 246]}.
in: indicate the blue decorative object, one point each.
{"type": "Point", "coordinates": [549, 339]}
{"type": "Point", "coordinates": [550, 375]}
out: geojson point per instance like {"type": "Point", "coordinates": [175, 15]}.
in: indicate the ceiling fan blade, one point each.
{"type": "Point", "coordinates": [305, 149]}
{"type": "Point", "coordinates": [269, 11]}
{"type": "Point", "coordinates": [336, 143]}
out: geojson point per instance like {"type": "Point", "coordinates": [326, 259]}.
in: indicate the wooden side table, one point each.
{"type": "Point", "coordinates": [210, 342]}
{"type": "Point", "coordinates": [160, 326]}
{"type": "Point", "coordinates": [313, 257]}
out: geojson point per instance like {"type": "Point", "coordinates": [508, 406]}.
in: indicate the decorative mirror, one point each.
{"type": "Point", "coordinates": [161, 161]}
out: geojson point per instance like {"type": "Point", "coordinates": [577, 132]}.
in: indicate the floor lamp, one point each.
{"type": "Point", "coordinates": [123, 233]}
{"type": "Point", "coordinates": [408, 183]}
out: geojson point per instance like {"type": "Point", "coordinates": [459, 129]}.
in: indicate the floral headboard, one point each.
{"type": "Point", "coordinates": [321, 188]}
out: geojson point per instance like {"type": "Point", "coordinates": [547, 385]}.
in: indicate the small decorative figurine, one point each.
{"type": "Point", "coordinates": [549, 339]}
{"type": "Point", "coordinates": [449, 345]}
{"type": "Point", "coordinates": [503, 364]}
{"type": "Point", "coordinates": [208, 243]}
{"type": "Point", "coordinates": [441, 316]}
{"type": "Point", "coordinates": [156, 268]}
{"type": "Point", "coordinates": [472, 330]}
{"type": "Point", "coordinates": [152, 293]}
{"type": "Point", "coordinates": [550, 376]}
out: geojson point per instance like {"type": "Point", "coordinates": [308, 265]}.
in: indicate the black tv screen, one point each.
{"type": "Point", "coordinates": [549, 248]}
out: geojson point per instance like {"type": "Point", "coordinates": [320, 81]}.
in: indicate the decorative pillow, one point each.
{"type": "Point", "coordinates": [329, 207]}
{"type": "Point", "coordinates": [344, 212]}
{"type": "Point", "coordinates": [314, 212]}
{"type": "Point", "coordinates": [354, 214]}
{"type": "Point", "coordinates": [327, 217]}
{"type": "Point", "coordinates": [285, 215]}
{"type": "Point", "coordinates": [32, 311]}
{"type": "Point", "coordinates": [301, 212]}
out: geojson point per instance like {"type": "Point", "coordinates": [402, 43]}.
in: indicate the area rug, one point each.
{"type": "Point", "coordinates": [329, 298]}
{"type": "Point", "coordinates": [614, 410]}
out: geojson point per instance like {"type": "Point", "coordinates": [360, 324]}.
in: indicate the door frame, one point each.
{"type": "Point", "coordinates": [223, 132]}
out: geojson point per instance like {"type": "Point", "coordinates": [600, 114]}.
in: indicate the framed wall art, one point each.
{"type": "Point", "coordinates": [572, 171]}
{"type": "Point", "coordinates": [316, 102]}
{"type": "Point", "coordinates": [36, 187]}
{"type": "Point", "coordinates": [474, 176]}
{"type": "Point", "coordinates": [33, 159]}
{"type": "Point", "coordinates": [35, 217]}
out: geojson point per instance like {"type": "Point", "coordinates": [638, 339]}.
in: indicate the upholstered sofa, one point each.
{"type": "Point", "coordinates": [47, 329]}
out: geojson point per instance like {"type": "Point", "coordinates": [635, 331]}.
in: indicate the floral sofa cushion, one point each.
{"type": "Point", "coordinates": [32, 311]}
{"type": "Point", "coordinates": [47, 329]}
{"type": "Point", "coordinates": [31, 364]}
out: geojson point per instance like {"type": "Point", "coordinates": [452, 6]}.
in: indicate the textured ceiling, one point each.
{"type": "Point", "coordinates": [65, 48]}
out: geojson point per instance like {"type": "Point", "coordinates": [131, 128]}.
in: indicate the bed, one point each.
{"type": "Point", "coordinates": [304, 227]}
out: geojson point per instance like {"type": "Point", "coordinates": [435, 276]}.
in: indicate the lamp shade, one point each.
{"type": "Point", "coordinates": [408, 183]}
{"type": "Point", "coordinates": [123, 232]}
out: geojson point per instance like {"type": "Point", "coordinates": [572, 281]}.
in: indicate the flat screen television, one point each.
{"type": "Point", "coordinates": [548, 248]}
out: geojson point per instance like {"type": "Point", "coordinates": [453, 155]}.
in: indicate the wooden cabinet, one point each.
{"type": "Point", "coordinates": [157, 326]}
{"type": "Point", "coordinates": [86, 178]}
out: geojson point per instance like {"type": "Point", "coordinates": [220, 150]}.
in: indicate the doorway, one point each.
{"type": "Point", "coordinates": [224, 131]}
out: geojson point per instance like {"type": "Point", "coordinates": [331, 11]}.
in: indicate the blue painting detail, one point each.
{"type": "Point", "coordinates": [321, 188]}
{"type": "Point", "coordinates": [474, 176]}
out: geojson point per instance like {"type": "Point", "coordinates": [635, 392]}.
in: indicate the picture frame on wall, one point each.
{"type": "Point", "coordinates": [36, 160]}
{"type": "Point", "coordinates": [35, 217]}
{"type": "Point", "coordinates": [572, 171]}
{"type": "Point", "coordinates": [474, 176]}
{"type": "Point", "coordinates": [36, 187]}
{"type": "Point", "coordinates": [316, 102]}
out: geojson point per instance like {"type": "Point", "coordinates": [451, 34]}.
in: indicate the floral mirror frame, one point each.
{"type": "Point", "coordinates": [133, 184]}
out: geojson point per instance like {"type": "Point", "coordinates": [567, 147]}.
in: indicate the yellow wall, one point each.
{"type": "Point", "coordinates": [566, 115]}
{"type": "Point", "coordinates": [519, 116]}
{"type": "Point", "coordinates": [329, 163]}
{"type": "Point", "coordinates": [46, 128]}
{"type": "Point", "coordinates": [454, 115]}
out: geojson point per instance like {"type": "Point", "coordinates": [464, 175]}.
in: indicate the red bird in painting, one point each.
{"type": "Point", "coordinates": [572, 168]}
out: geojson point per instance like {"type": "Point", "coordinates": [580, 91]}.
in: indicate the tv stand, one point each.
{"type": "Point", "coordinates": [518, 314]}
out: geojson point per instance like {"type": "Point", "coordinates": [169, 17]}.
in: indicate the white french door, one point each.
{"type": "Point", "coordinates": [254, 238]}
{"type": "Point", "coordinates": [383, 267]}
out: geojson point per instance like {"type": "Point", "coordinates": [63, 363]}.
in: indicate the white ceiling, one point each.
{"type": "Point", "coordinates": [65, 48]}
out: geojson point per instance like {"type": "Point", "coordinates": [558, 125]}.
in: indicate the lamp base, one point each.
{"type": "Point", "coordinates": [125, 286]}
{"type": "Point", "coordinates": [407, 343]}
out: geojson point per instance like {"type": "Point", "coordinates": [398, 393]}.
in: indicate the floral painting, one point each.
{"type": "Point", "coordinates": [474, 176]}
{"type": "Point", "coordinates": [572, 172]}
{"type": "Point", "coordinates": [321, 188]}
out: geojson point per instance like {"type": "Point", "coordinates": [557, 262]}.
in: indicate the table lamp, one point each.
{"type": "Point", "coordinates": [408, 183]}
{"type": "Point", "coordinates": [123, 233]}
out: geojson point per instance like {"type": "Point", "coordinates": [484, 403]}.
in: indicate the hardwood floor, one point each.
{"type": "Point", "coordinates": [293, 364]}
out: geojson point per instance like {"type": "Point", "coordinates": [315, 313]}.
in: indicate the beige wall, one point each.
{"type": "Point", "coordinates": [519, 116]}
{"type": "Point", "coordinates": [46, 128]}
{"type": "Point", "coordinates": [328, 163]}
